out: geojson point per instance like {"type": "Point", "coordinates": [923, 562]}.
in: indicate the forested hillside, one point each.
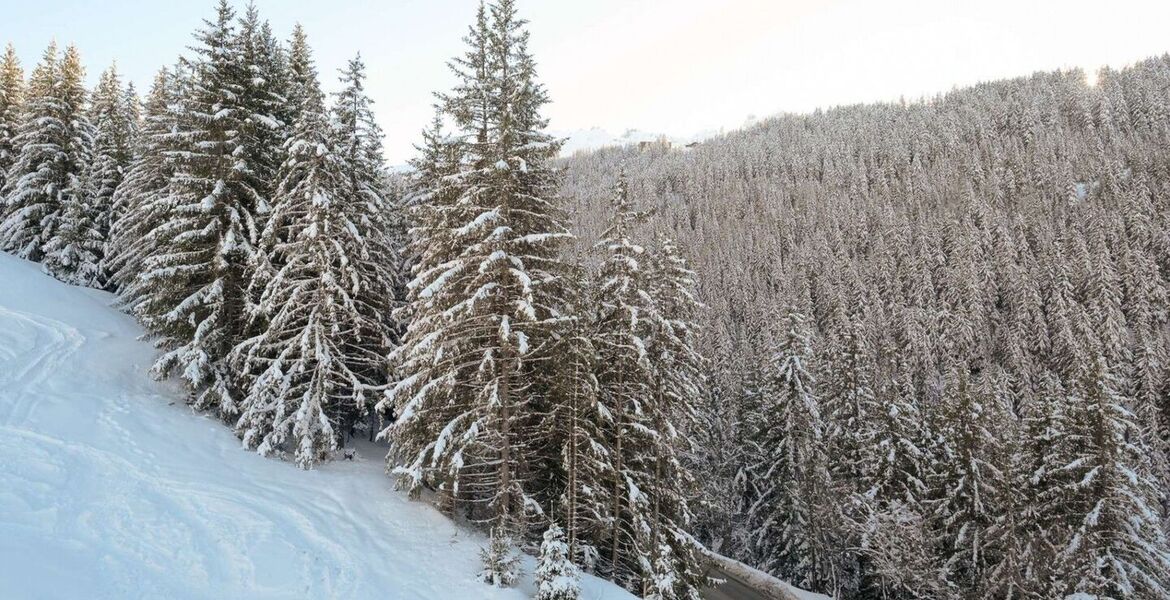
{"type": "Point", "coordinates": [937, 335]}
{"type": "Point", "coordinates": [304, 296]}
{"type": "Point", "coordinates": [896, 351]}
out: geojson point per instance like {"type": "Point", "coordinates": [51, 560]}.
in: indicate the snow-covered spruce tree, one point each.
{"type": "Point", "coordinates": [791, 468]}
{"type": "Point", "coordinates": [300, 76]}
{"type": "Point", "coordinates": [1117, 548]}
{"type": "Point", "coordinates": [262, 86]}
{"type": "Point", "coordinates": [484, 300]}
{"type": "Point", "coordinates": [663, 582]}
{"type": "Point", "coordinates": [557, 578]}
{"type": "Point", "coordinates": [324, 342]}
{"type": "Point", "coordinates": [624, 380]}
{"type": "Point", "coordinates": [73, 254]}
{"type": "Point", "coordinates": [579, 461]}
{"type": "Point", "coordinates": [968, 480]}
{"type": "Point", "coordinates": [141, 205]}
{"type": "Point", "coordinates": [74, 239]}
{"type": "Point", "coordinates": [195, 305]}
{"type": "Point", "coordinates": [43, 170]}
{"type": "Point", "coordinates": [501, 563]}
{"type": "Point", "coordinates": [260, 146]}
{"type": "Point", "coordinates": [1018, 537]}
{"type": "Point", "coordinates": [678, 387]}
{"type": "Point", "coordinates": [11, 111]}
{"type": "Point", "coordinates": [114, 115]}
{"type": "Point", "coordinates": [357, 139]}
{"type": "Point", "coordinates": [718, 455]}
{"type": "Point", "coordinates": [850, 410]}
{"type": "Point", "coordinates": [430, 202]}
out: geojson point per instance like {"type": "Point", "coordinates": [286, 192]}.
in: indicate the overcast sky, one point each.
{"type": "Point", "coordinates": [670, 66]}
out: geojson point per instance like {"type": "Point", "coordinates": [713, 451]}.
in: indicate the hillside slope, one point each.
{"type": "Point", "coordinates": [111, 488]}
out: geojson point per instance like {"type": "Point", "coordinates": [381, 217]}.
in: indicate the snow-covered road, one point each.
{"type": "Point", "coordinates": [110, 487]}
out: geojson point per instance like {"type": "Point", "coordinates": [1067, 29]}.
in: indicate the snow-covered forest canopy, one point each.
{"type": "Point", "coordinates": [914, 350]}
{"type": "Point", "coordinates": [937, 336]}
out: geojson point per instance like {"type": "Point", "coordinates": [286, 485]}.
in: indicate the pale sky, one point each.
{"type": "Point", "coordinates": [669, 66]}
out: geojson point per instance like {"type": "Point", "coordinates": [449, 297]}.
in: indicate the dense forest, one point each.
{"type": "Point", "coordinates": [937, 335]}
{"type": "Point", "coordinates": [909, 350]}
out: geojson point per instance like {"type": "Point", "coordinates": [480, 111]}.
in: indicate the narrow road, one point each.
{"type": "Point", "coordinates": [731, 589]}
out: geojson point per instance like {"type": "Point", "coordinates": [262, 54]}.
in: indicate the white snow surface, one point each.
{"type": "Point", "coordinates": [110, 487]}
{"type": "Point", "coordinates": [763, 583]}
{"type": "Point", "coordinates": [585, 140]}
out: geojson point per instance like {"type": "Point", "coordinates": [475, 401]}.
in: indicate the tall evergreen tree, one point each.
{"type": "Point", "coordinates": [141, 204]}
{"type": "Point", "coordinates": [301, 75]}
{"type": "Point", "coordinates": [357, 139]}
{"type": "Point", "coordinates": [625, 378]}
{"type": "Point", "coordinates": [261, 87]}
{"type": "Point", "coordinates": [485, 297]}
{"type": "Point", "coordinates": [969, 482]}
{"type": "Point", "coordinates": [790, 465]}
{"type": "Point", "coordinates": [43, 172]}
{"type": "Point", "coordinates": [114, 116]}
{"type": "Point", "coordinates": [73, 237]}
{"type": "Point", "coordinates": [11, 111]}
{"type": "Point", "coordinates": [1117, 548]}
{"type": "Point", "coordinates": [322, 350]}
{"type": "Point", "coordinates": [582, 460]}
{"type": "Point", "coordinates": [195, 308]}
{"type": "Point", "coordinates": [678, 387]}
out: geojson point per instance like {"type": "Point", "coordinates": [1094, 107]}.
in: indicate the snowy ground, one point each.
{"type": "Point", "coordinates": [111, 488]}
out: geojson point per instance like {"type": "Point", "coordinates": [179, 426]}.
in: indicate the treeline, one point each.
{"type": "Point", "coordinates": [938, 336]}
{"type": "Point", "coordinates": [529, 388]}
{"type": "Point", "coordinates": [302, 293]}
{"type": "Point", "coordinates": [246, 225]}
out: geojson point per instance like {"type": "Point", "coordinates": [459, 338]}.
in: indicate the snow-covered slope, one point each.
{"type": "Point", "coordinates": [584, 140]}
{"type": "Point", "coordinates": [111, 488]}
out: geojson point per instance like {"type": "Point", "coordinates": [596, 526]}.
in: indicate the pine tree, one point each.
{"type": "Point", "coordinates": [195, 308]}
{"type": "Point", "coordinates": [261, 92]}
{"type": "Point", "coordinates": [42, 172]}
{"type": "Point", "coordinates": [432, 196]}
{"type": "Point", "coordinates": [1117, 548]}
{"type": "Point", "coordinates": [557, 578]}
{"type": "Point", "coordinates": [302, 74]}
{"type": "Point", "coordinates": [718, 454]}
{"type": "Point", "coordinates": [791, 465]}
{"type": "Point", "coordinates": [1016, 536]}
{"type": "Point", "coordinates": [851, 436]}
{"type": "Point", "coordinates": [357, 139]}
{"type": "Point", "coordinates": [322, 348]}
{"type": "Point", "coordinates": [969, 482]}
{"type": "Point", "coordinates": [260, 86]}
{"type": "Point", "coordinates": [485, 296]}
{"type": "Point", "coordinates": [73, 237]}
{"type": "Point", "coordinates": [141, 205]}
{"type": "Point", "coordinates": [624, 376]}
{"type": "Point", "coordinates": [579, 456]}
{"type": "Point", "coordinates": [679, 385]}
{"type": "Point", "coordinates": [11, 110]}
{"type": "Point", "coordinates": [501, 564]}
{"type": "Point", "coordinates": [113, 113]}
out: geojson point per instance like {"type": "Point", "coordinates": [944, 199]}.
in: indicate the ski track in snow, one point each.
{"type": "Point", "coordinates": [111, 488]}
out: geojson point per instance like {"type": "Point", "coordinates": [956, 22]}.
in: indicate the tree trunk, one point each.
{"type": "Point", "coordinates": [654, 523]}
{"type": "Point", "coordinates": [617, 474]}
{"type": "Point", "coordinates": [504, 512]}
{"type": "Point", "coordinates": [571, 494]}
